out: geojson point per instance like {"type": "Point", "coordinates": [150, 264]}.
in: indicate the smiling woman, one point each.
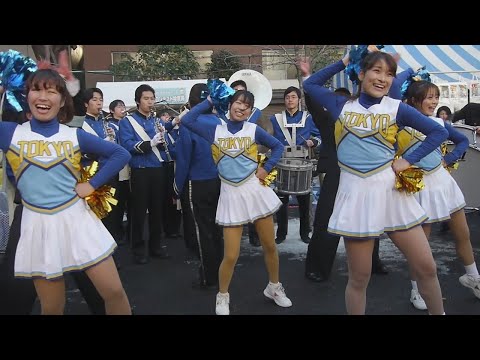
{"type": "Point", "coordinates": [367, 204]}
{"type": "Point", "coordinates": [44, 156]}
{"type": "Point", "coordinates": [243, 198]}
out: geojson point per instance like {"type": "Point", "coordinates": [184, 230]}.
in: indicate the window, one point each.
{"type": "Point", "coordinates": [119, 56]}
{"type": "Point", "coordinates": [203, 57]}
{"type": "Point", "coordinates": [275, 66]}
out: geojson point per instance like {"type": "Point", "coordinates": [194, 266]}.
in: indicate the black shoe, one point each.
{"type": "Point", "coordinates": [379, 268]}
{"type": "Point", "coordinates": [280, 239]}
{"type": "Point", "coordinates": [306, 239]}
{"type": "Point", "coordinates": [140, 259]}
{"type": "Point", "coordinates": [254, 242]}
{"type": "Point", "coordinates": [315, 276]}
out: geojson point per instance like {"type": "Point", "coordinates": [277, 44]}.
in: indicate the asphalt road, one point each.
{"type": "Point", "coordinates": [163, 287]}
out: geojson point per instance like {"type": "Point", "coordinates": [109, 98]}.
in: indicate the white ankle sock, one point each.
{"type": "Point", "coordinates": [472, 270]}
{"type": "Point", "coordinates": [414, 285]}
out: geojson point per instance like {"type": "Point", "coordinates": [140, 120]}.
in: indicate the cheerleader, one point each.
{"type": "Point", "coordinates": [243, 199]}
{"type": "Point", "coordinates": [367, 203]}
{"type": "Point", "coordinates": [441, 198]}
{"type": "Point", "coordinates": [45, 158]}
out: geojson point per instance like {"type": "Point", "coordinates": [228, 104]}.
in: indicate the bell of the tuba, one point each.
{"type": "Point", "coordinates": [257, 84]}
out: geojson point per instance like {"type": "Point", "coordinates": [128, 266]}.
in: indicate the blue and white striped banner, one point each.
{"type": "Point", "coordinates": [445, 63]}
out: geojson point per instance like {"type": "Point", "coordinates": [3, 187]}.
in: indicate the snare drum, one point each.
{"type": "Point", "coordinates": [294, 176]}
{"type": "Point", "coordinates": [467, 176]}
{"type": "Point", "coordinates": [469, 132]}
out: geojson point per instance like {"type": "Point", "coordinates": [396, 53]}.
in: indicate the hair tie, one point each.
{"type": "Point", "coordinates": [357, 54]}
{"type": "Point", "coordinates": [420, 75]}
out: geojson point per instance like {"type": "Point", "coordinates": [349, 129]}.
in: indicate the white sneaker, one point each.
{"type": "Point", "coordinates": [222, 307]}
{"type": "Point", "coordinates": [417, 300]}
{"type": "Point", "coordinates": [472, 283]}
{"type": "Point", "coordinates": [276, 292]}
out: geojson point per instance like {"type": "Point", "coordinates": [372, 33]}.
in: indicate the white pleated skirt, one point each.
{"type": "Point", "coordinates": [368, 207]}
{"type": "Point", "coordinates": [441, 196]}
{"type": "Point", "coordinates": [70, 240]}
{"type": "Point", "coordinates": [246, 203]}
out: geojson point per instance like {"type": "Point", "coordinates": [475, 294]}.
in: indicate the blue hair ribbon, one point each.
{"type": "Point", "coordinates": [357, 54]}
{"type": "Point", "coordinates": [420, 75]}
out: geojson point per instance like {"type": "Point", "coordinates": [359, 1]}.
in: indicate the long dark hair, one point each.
{"type": "Point", "coordinates": [48, 78]}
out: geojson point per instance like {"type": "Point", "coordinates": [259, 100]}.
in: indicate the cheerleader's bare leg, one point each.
{"type": "Point", "coordinates": [51, 294]}
{"type": "Point", "coordinates": [359, 258]}
{"type": "Point", "coordinates": [414, 245]}
{"type": "Point", "coordinates": [106, 280]}
{"type": "Point", "coordinates": [461, 234]}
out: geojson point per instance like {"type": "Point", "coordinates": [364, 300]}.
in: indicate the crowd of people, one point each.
{"type": "Point", "coordinates": [201, 171]}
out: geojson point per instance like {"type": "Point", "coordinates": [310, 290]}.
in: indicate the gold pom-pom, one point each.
{"type": "Point", "coordinates": [102, 199]}
{"type": "Point", "coordinates": [452, 166]}
{"type": "Point", "coordinates": [410, 180]}
{"type": "Point", "coordinates": [262, 159]}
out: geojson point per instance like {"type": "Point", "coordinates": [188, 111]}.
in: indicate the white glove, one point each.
{"type": "Point", "coordinates": [108, 138]}
{"type": "Point", "coordinates": [156, 140]}
{"type": "Point", "coordinates": [73, 86]}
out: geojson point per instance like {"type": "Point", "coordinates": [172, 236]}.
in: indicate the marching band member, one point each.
{"type": "Point", "coordinates": [243, 198]}
{"type": "Point", "coordinates": [141, 134]}
{"type": "Point", "coordinates": [51, 244]}
{"type": "Point", "coordinates": [96, 125]}
{"type": "Point", "coordinates": [441, 198]}
{"type": "Point", "coordinates": [122, 186]}
{"type": "Point", "coordinates": [293, 127]}
{"type": "Point", "coordinates": [367, 203]}
{"type": "Point", "coordinates": [172, 216]}
{"type": "Point", "coordinates": [196, 180]}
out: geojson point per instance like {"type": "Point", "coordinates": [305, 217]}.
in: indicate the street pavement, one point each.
{"type": "Point", "coordinates": [164, 286]}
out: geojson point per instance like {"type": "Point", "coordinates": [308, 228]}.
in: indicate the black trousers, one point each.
{"type": "Point", "coordinates": [148, 193]}
{"type": "Point", "coordinates": [21, 292]}
{"type": "Point", "coordinates": [122, 195]}
{"type": "Point", "coordinates": [282, 215]}
{"type": "Point", "coordinates": [171, 216]}
{"type": "Point", "coordinates": [189, 229]}
{"type": "Point", "coordinates": [112, 221]}
{"type": "Point", "coordinates": [323, 246]}
{"type": "Point", "coordinates": [205, 194]}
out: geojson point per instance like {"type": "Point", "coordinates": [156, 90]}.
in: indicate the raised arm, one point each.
{"type": "Point", "coordinates": [314, 87]}
{"type": "Point", "coordinates": [205, 130]}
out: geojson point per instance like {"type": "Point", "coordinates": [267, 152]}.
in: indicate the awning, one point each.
{"type": "Point", "coordinates": [445, 63]}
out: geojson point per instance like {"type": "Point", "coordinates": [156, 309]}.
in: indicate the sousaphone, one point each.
{"type": "Point", "coordinates": [257, 84]}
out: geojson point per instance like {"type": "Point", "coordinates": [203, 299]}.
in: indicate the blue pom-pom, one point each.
{"type": "Point", "coordinates": [421, 75]}
{"type": "Point", "coordinates": [15, 68]}
{"type": "Point", "coordinates": [357, 54]}
{"type": "Point", "coordinates": [220, 93]}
